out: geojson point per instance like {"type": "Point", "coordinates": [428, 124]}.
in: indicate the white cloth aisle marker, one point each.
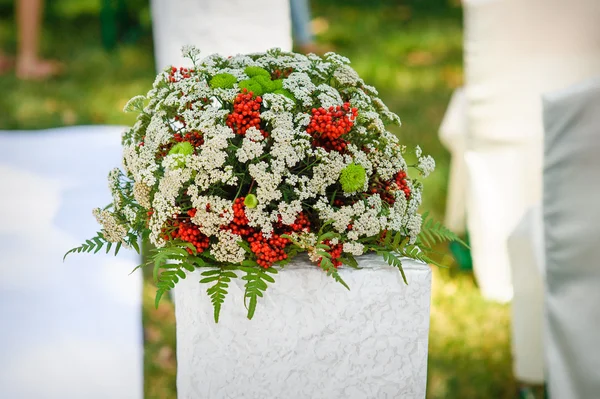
{"type": "Point", "coordinates": [70, 330]}
{"type": "Point", "coordinates": [227, 27]}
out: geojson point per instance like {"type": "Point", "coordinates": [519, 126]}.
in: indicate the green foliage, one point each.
{"type": "Point", "coordinates": [256, 283]}
{"type": "Point", "coordinates": [223, 81]}
{"type": "Point", "coordinates": [330, 269]}
{"type": "Point", "coordinates": [285, 92]}
{"type": "Point", "coordinates": [252, 86]}
{"type": "Point", "coordinates": [393, 260]}
{"type": "Point", "coordinates": [95, 244]}
{"type": "Point", "coordinates": [172, 260]}
{"type": "Point", "coordinates": [221, 277]}
{"type": "Point", "coordinates": [434, 232]}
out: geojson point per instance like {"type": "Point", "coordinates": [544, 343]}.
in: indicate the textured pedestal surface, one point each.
{"type": "Point", "coordinates": [310, 337]}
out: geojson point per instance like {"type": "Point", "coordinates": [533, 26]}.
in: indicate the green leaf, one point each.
{"type": "Point", "coordinates": [211, 272]}
{"type": "Point", "coordinates": [134, 244]}
{"type": "Point", "coordinates": [117, 248]}
{"type": "Point", "coordinates": [435, 232]}
{"type": "Point", "coordinates": [256, 283]}
{"type": "Point", "coordinates": [218, 291]}
{"type": "Point", "coordinates": [388, 238]}
{"type": "Point", "coordinates": [187, 266]}
{"type": "Point", "coordinates": [159, 294]}
{"type": "Point", "coordinates": [349, 260]}
{"type": "Point", "coordinates": [329, 235]}
{"type": "Point", "coordinates": [394, 261]}
{"type": "Point", "coordinates": [252, 307]}
{"type": "Point", "coordinates": [327, 266]}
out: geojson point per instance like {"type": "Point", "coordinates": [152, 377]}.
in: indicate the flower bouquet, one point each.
{"type": "Point", "coordinates": [238, 164]}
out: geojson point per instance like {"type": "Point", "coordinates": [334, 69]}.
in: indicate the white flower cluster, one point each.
{"type": "Point", "coordinates": [252, 146]}
{"type": "Point", "coordinates": [112, 229]}
{"type": "Point", "coordinates": [212, 212]}
{"type": "Point", "coordinates": [301, 86]}
{"type": "Point", "coordinates": [227, 248]}
{"type": "Point", "coordinates": [426, 165]}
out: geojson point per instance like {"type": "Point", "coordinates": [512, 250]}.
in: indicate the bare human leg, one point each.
{"type": "Point", "coordinates": [29, 65]}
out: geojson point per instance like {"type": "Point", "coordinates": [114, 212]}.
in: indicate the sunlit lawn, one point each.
{"type": "Point", "coordinates": [412, 53]}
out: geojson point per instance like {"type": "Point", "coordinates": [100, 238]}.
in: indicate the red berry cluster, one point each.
{"type": "Point", "coordinates": [278, 73]}
{"type": "Point", "coordinates": [386, 189]}
{"type": "Point", "coordinates": [335, 252]}
{"type": "Point", "coordinates": [400, 180]}
{"type": "Point", "coordinates": [177, 74]}
{"type": "Point", "coordinates": [246, 113]}
{"type": "Point", "coordinates": [268, 250]}
{"type": "Point", "coordinates": [300, 224]}
{"type": "Point", "coordinates": [239, 225]}
{"type": "Point", "coordinates": [185, 230]}
{"type": "Point", "coordinates": [327, 126]}
{"type": "Point", "coordinates": [194, 138]}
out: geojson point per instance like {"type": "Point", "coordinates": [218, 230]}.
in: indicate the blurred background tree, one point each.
{"type": "Point", "coordinates": [411, 50]}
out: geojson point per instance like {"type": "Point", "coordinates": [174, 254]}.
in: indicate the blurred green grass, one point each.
{"type": "Point", "coordinates": [410, 50]}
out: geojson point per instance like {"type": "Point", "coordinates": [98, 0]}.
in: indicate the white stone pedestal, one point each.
{"type": "Point", "coordinates": [310, 337]}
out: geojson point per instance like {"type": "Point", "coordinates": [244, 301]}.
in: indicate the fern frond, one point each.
{"type": "Point", "coordinates": [217, 292]}
{"type": "Point", "coordinates": [394, 261]}
{"type": "Point", "coordinates": [256, 284]}
{"type": "Point", "coordinates": [433, 232]}
{"type": "Point", "coordinates": [416, 253]}
{"type": "Point", "coordinates": [329, 268]}
{"type": "Point", "coordinates": [94, 244]}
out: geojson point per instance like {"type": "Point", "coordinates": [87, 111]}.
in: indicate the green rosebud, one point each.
{"type": "Point", "coordinates": [250, 201]}
{"type": "Point", "coordinates": [223, 81]}
{"type": "Point", "coordinates": [264, 82]}
{"type": "Point", "coordinates": [277, 84]}
{"type": "Point", "coordinates": [252, 71]}
{"type": "Point", "coordinates": [353, 178]}
{"type": "Point", "coordinates": [184, 148]}
{"type": "Point", "coordinates": [252, 86]}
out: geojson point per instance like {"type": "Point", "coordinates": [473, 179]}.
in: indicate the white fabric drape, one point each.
{"type": "Point", "coordinates": [69, 330]}
{"type": "Point", "coordinates": [571, 204]}
{"type": "Point", "coordinates": [227, 27]}
{"type": "Point", "coordinates": [515, 50]}
{"type": "Point", "coordinates": [526, 255]}
{"type": "Point", "coordinates": [453, 135]}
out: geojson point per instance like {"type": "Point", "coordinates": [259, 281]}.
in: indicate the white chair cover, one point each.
{"type": "Point", "coordinates": [526, 254]}
{"type": "Point", "coordinates": [453, 134]}
{"type": "Point", "coordinates": [572, 237]}
{"type": "Point", "coordinates": [515, 50]}
{"type": "Point", "coordinates": [70, 330]}
{"type": "Point", "coordinates": [227, 27]}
